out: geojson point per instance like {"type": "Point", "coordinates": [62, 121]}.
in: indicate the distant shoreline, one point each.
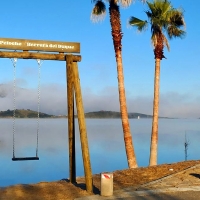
{"type": "Point", "coordinates": [22, 113]}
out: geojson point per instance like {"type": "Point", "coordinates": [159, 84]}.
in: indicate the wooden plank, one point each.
{"type": "Point", "coordinates": [42, 56]}
{"type": "Point", "coordinates": [24, 158]}
{"type": "Point", "coordinates": [71, 125]}
{"type": "Point", "coordinates": [82, 129]}
{"type": "Point", "coordinates": [39, 45]}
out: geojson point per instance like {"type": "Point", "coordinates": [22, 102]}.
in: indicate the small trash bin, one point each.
{"type": "Point", "coordinates": [106, 184]}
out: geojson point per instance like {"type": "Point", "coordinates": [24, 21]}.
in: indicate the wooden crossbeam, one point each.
{"type": "Point", "coordinates": [42, 56]}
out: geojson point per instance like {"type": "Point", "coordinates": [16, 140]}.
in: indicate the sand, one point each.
{"type": "Point", "coordinates": [63, 189]}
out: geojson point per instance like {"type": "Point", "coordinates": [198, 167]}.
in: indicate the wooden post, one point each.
{"type": "Point", "coordinates": [82, 129]}
{"type": "Point", "coordinates": [71, 126]}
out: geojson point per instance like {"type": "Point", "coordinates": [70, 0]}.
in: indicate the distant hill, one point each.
{"type": "Point", "coordinates": [112, 114]}
{"type": "Point", "coordinates": [95, 115]}
{"type": "Point", "coordinates": [23, 114]}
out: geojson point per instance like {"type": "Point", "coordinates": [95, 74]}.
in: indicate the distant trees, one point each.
{"type": "Point", "coordinates": [162, 17]}
{"type": "Point", "coordinates": [7, 113]}
{"type": "Point", "coordinates": [21, 113]}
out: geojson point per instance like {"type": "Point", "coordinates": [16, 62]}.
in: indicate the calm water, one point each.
{"type": "Point", "coordinates": [105, 142]}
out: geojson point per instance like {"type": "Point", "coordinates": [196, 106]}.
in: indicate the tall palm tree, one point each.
{"type": "Point", "coordinates": [98, 13]}
{"type": "Point", "coordinates": [163, 18]}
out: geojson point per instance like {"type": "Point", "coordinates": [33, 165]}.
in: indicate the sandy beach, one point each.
{"type": "Point", "coordinates": [63, 189]}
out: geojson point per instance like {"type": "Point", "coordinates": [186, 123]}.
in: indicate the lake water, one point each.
{"type": "Point", "coordinates": [106, 146]}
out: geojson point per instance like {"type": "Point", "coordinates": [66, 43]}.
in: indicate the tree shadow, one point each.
{"type": "Point", "coordinates": [66, 180]}
{"type": "Point", "coordinates": [195, 175]}
{"type": "Point", "coordinates": [83, 186]}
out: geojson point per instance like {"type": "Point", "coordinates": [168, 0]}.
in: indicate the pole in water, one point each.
{"type": "Point", "coordinates": [186, 144]}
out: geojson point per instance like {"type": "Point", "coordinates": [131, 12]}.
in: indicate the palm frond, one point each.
{"type": "Point", "coordinates": [125, 3]}
{"type": "Point", "coordinates": [99, 11]}
{"type": "Point", "coordinates": [176, 22]}
{"type": "Point", "coordinates": [156, 28]}
{"type": "Point", "coordinates": [151, 7]}
{"type": "Point", "coordinates": [173, 31]}
{"type": "Point", "coordinates": [176, 18]}
{"type": "Point", "coordinates": [165, 41]}
{"type": "Point", "coordinates": [149, 14]}
{"type": "Point", "coordinates": [139, 24]}
{"type": "Point", "coordinates": [165, 7]}
{"type": "Point", "coordinates": [162, 5]}
{"type": "Point", "coordinates": [162, 17]}
{"type": "Point", "coordinates": [154, 40]}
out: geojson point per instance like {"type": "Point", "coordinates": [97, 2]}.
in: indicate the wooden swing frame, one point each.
{"type": "Point", "coordinates": [26, 50]}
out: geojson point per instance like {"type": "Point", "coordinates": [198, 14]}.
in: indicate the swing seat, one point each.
{"type": "Point", "coordinates": [24, 158]}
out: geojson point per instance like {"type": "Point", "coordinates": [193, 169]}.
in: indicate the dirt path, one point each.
{"type": "Point", "coordinates": [65, 190]}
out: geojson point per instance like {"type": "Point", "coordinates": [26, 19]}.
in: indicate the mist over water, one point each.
{"type": "Point", "coordinates": [106, 145]}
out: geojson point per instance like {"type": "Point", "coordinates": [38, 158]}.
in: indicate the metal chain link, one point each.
{"type": "Point", "coordinates": [38, 103]}
{"type": "Point", "coordinates": [14, 61]}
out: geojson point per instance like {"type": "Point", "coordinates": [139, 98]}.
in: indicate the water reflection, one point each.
{"type": "Point", "coordinates": [105, 142]}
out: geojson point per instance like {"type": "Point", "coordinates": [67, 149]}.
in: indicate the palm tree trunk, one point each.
{"type": "Point", "coordinates": [154, 134]}
{"type": "Point", "coordinates": [117, 37]}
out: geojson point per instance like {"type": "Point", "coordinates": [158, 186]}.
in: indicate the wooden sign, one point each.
{"type": "Point", "coordinates": [39, 45]}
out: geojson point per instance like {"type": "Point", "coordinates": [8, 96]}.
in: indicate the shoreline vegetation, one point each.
{"type": "Point", "coordinates": [27, 113]}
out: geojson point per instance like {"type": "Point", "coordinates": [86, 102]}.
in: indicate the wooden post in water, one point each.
{"type": "Point", "coordinates": [82, 127]}
{"type": "Point", "coordinates": [71, 126]}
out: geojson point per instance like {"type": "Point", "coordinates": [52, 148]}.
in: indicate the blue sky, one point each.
{"type": "Point", "coordinates": [70, 21]}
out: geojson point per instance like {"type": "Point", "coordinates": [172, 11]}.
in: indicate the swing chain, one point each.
{"type": "Point", "coordinates": [38, 103]}
{"type": "Point", "coordinates": [39, 61]}
{"type": "Point", "coordinates": [14, 61]}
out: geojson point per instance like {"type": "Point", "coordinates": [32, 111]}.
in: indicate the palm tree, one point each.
{"type": "Point", "coordinates": [162, 17]}
{"type": "Point", "coordinates": [98, 13]}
